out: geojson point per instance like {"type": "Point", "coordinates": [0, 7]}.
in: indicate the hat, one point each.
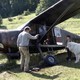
{"type": "Point", "coordinates": [27, 27]}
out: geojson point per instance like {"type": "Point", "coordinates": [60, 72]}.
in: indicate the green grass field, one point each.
{"type": "Point", "coordinates": [72, 24]}
{"type": "Point", "coordinates": [17, 21]}
{"type": "Point", "coordinates": [62, 71]}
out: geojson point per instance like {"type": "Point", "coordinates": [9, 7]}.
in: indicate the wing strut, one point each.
{"type": "Point", "coordinates": [58, 19]}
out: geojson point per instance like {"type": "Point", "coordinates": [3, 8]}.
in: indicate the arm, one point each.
{"type": "Point", "coordinates": [18, 41]}
{"type": "Point", "coordinates": [32, 37]}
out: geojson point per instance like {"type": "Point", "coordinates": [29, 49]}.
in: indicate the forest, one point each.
{"type": "Point", "coordinates": [9, 8]}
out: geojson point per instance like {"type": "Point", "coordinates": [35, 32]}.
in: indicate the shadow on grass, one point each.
{"type": "Point", "coordinates": [62, 61]}
{"type": "Point", "coordinates": [14, 68]}
{"type": "Point", "coordinates": [10, 67]}
{"type": "Point", "coordinates": [45, 76]}
{"type": "Point", "coordinates": [3, 27]}
{"type": "Point", "coordinates": [37, 74]}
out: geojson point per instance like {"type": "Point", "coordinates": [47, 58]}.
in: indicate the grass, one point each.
{"type": "Point", "coordinates": [17, 21]}
{"type": "Point", "coordinates": [71, 25]}
{"type": "Point", "coordinates": [62, 71]}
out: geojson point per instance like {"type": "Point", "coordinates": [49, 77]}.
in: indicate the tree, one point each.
{"type": "Point", "coordinates": [44, 4]}
{"type": "Point", "coordinates": [33, 4]}
{"type": "Point", "coordinates": [41, 7]}
{"type": "Point", "coordinates": [0, 20]}
{"type": "Point", "coordinates": [15, 7]}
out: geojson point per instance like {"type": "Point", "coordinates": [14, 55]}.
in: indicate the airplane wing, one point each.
{"type": "Point", "coordinates": [50, 15]}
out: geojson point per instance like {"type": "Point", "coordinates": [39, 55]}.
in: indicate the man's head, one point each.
{"type": "Point", "coordinates": [27, 29]}
{"type": "Point", "coordinates": [68, 37]}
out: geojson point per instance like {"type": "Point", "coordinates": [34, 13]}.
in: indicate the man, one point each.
{"type": "Point", "coordinates": [69, 54]}
{"type": "Point", "coordinates": [23, 43]}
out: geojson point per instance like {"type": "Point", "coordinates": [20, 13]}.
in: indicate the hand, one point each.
{"type": "Point", "coordinates": [37, 35]}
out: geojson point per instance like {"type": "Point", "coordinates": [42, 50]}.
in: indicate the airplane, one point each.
{"type": "Point", "coordinates": [44, 25]}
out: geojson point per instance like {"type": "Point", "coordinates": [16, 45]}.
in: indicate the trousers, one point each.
{"type": "Point", "coordinates": [69, 53]}
{"type": "Point", "coordinates": [25, 58]}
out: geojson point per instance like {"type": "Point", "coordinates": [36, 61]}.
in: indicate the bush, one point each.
{"type": "Point", "coordinates": [3, 27]}
{"type": "Point", "coordinates": [20, 17]}
{"type": "Point", "coordinates": [10, 19]}
{"type": "Point", "coordinates": [1, 21]}
{"type": "Point", "coordinates": [77, 16]}
{"type": "Point", "coordinates": [25, 13]}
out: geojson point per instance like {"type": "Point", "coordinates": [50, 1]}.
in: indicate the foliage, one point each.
{"type": "Point", "coordinates": [77, 16]}
{"type": "Point", "coordinates": [0, 20]}
{"type": "Point", "coordinates": [20, 17]}
{"type": "Point", "coordinates": [16, 7]}
{"type": "Point", "coordinates": [10, 19]}
{"type": "Point", "coordinates": [41, 6]}
{"type": "Point", "coordinates": [25, 13]}
{"type": "Point", "coordinates": [44, 4]}
{"type": "Point", "coordinates": [10, 8]}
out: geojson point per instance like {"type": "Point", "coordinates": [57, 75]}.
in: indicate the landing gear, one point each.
{"type": "Point", "coordinates": [48, 59]}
